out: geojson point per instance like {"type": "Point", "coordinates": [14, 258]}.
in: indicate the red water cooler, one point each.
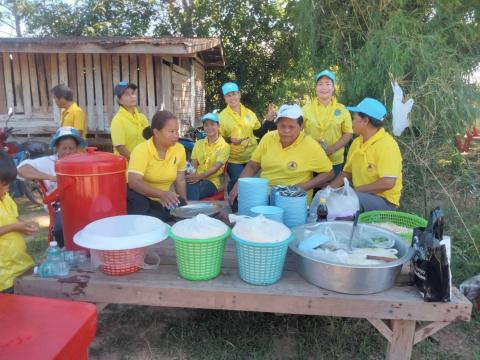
{"type": "Point", "coordinates": [91, 186]}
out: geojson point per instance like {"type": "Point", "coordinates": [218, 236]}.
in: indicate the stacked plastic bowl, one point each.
{"type": "Point", "coordinates": [294, 207]}
{"type": "Point", "coordinates": [270, 212]}
{"type": "Point", "coordinates": [251, 192]}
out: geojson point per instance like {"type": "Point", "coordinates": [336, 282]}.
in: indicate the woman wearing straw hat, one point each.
{"type": "Point", "coordinates": [374, 161]}
{"type": "Point", "coordinates": [289, 157]}
{"type": "Point", "coordinates": [156, 171]}
{"type": "Point", "coordinates": [240, 127]}
{"type": "Point", "coordinates": [209, 156]}
{"type": "Point", "coordinates": [328, 121]}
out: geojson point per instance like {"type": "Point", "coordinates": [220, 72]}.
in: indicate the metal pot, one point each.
{"type": "Point", "coordinates": [349, 279]}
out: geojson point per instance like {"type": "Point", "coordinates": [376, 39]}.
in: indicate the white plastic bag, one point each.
{"type": "Point", "coordinates": [199, 227]}
{"type": "Point", "coordinates": [259, 229]}
{"type": "Point", "coordinates": [341, 202]}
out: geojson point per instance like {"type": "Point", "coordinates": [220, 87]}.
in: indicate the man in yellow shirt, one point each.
{"type": "Point", "coordinates": [328, 121]}
{"type": "Point", "coordinates": [14, 259]}
{"type": "Point", "coordinates": [128, 123]}
{"type": "Point", "coordinates": [72, 115]}
{"type": "Point", "coordinates": [288, 156]}
{"type": "Point", "coordinates": [240, 128]}
{"type": "Point", "coordinates": [209, 157]}
{"type": "Point", "coordinates": [374, 161]}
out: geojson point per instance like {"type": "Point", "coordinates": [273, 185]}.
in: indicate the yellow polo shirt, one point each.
{"type": "Point", "coordinates": [377, 158]}
{"type": "Point", "coordinates": [127, 128]}
{"type": "Point", "coordinates": [292, 165]}
{"type": "Point", "coordinates": [208, 154]}
{"type": "Point", "coordinates": [75, 117]}
{"type": "Point", "coordinates": [239, 126]}
{"type": "Point", "coordinates": [14, 259]}
{"type": "Point", "coordinates": [327, 123]}
{"type": "Point", "coordinates": [158, 173]}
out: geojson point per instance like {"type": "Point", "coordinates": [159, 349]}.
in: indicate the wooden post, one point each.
{"type": "Point", "coordinates": [125, 73]}
{"type": "Point", "coordinates": [17, 77]}
{"type": "Point", "coordinates": [158, 81]}
{"type": "Point", "coordinates": [72, 75]}
{"type": "Point", "coordinates": [400, 348]}
{"type": "Point", "coordinates": [142, 84]}
{"type": "Point", "coordinates": [116, 79]}
{"type": "Point", "coordinates": [27, 97]}
{"type": "Point", "coordinates": [62, 69]}
{"type": "Point", "coordinates": [3, 95]}
{"type": "Point", "coordinates": [108, 88]}
{"type": "Point", "coordinates": [42, 82]}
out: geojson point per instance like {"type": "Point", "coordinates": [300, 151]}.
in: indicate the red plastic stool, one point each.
{"type": "Point", "coordinates": [42, 328]}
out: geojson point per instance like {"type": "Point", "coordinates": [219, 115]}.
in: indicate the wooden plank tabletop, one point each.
{"type": "Point", "coordinates": [292, 294]}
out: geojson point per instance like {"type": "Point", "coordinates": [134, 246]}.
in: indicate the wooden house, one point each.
{"type": "Point", "coordinates": [169, 72]}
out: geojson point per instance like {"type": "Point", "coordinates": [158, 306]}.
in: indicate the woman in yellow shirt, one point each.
{"type": "Point", "coordinates": [209, 156]}
{"type": "Point", "coordinates": [14, 259]}
{"type": "Point", "coordinates": [328, 121]}
{"type": "Point", "coordinates": [128, 123]}
{"type": "Point", "coordinates": [156, 171]}
{"type": "Point", "coordinates": [374, 161]}
{"type": "Point", "coordinates": [240, 128]}
{"type": "Point", "coordinates": [288, 156]}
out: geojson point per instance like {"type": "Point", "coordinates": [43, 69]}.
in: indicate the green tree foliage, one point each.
{"type": "Point", "coordinates": [88, 17]}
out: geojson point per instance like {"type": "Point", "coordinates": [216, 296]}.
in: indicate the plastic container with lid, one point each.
{"type": "Point", "coordinates": [118, 243]}
{"type": "Point", "coordinates": [91, 186]}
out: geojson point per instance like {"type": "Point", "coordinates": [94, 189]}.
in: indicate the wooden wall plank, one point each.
{"type": "Point", "coordinates": [89, 87]}
{"type": "Point", "coordinates": [98, 91]}
{"type": "Point", "coordinates": [150, 85]}
{"type": "Point", "coordinates": [167, 87]}
{"type": "Point", "coordinates": [3, 95]}
{"type": "Point", "coordinates": [48, 74]}
{"type": "Point", "coordinates": [133, 78]}
{"type": "Point", "coordinates": [82, 101]}
{"type": "Point", "coordinates": [26, 91]}
{"type": "Point", "coordinates": [142, 84]}
{"type": "Point", "coordinates": [157, 60]}
{"type": "Point", "coordinates": [107, 77]}
{"type": "Point", "coordinates": [116, 78]}
{"type": "Point", "coordinates": [72, 75]}
{"type": "Point", "coordinates": [17, 83]}
{"type": "Point", "coordinates": [62, 69]}
{"type": "Point", "coordinates": [54, 82]}
{"type": "Point", "coordinates": [7, 73]}
{"type": "Point", "coordinates": [125, 69]}
{"type": "Point", "coordinates": [42, 82]}
{"type": "Point", "coordinates": [32, 68]}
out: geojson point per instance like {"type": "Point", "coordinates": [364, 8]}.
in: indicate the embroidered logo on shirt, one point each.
{"type": "Point", "coordinates": [338, 112]}
{"type": "Point", "coordinates": [371, 167]}
{"type": "Point", "coordinates": [248, 117]}
{"type": "Point", "coordinates": [292, 165]}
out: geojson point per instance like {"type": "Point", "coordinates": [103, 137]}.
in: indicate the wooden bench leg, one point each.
{"type": "Point", "coordinates": [400, 347]}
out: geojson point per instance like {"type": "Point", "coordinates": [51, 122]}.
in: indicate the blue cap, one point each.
{"type": "Point", "coordinates": [370, 107]}
{"type": "Point", "coordinates": [326, 73]}
{"type": "Point", "coordinates": [289, 111]}
{"type": "Point", "coordinates": [211, 116]}
{"type": "Point", "coordinates": [229, 87]}
{"type": "Point", "coordinates": [67, 131]}
{"type": "Point", "coordinates": [122, 86]}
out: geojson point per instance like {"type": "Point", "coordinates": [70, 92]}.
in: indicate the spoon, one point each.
{"type": "Point", "coordinates": [354, 227]}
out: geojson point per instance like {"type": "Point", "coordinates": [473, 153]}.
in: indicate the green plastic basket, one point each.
{"type": "Point", "coordinates": [395, 217]}
{"type": "Point", "coordinates": [199, 259]}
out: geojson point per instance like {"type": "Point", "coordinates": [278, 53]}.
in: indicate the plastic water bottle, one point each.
{"type": "Point", "coordinates": [55, 265]}
{"type": "Point", "coordinates": [73, 257]}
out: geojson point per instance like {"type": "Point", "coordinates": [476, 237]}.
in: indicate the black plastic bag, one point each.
{"type": "Point", "coordinates": [431, 268]}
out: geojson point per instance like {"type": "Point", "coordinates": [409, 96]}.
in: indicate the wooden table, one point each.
{"type": "Point", "coordinates": [394, 313]}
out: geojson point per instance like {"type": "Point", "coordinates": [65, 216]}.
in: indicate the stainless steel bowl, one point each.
{"type": "Point", "coordinates": [349, 279]}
